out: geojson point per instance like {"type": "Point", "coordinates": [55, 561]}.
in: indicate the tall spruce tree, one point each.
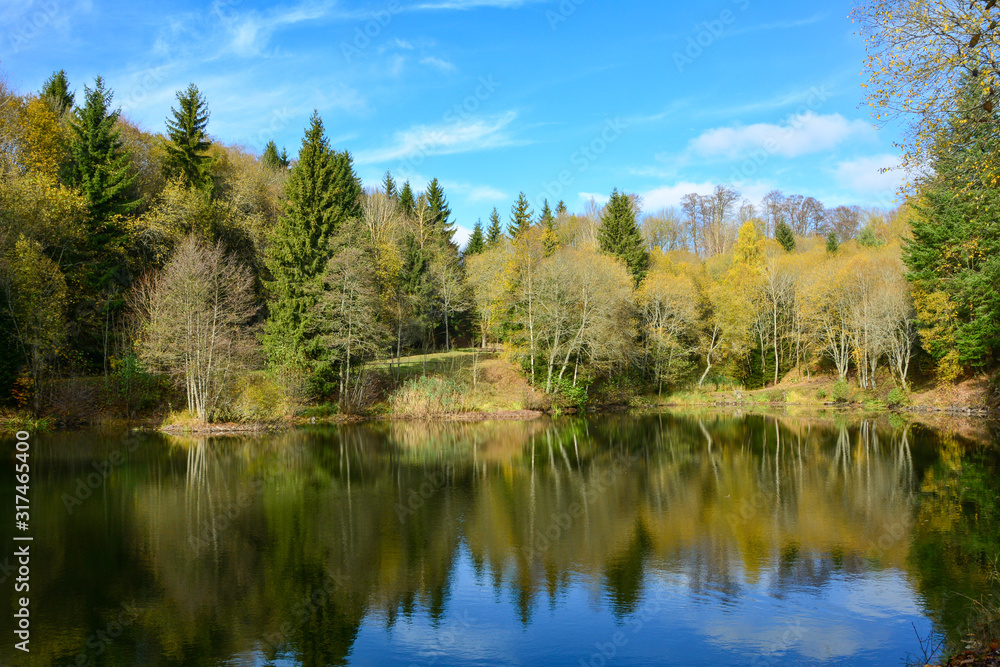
{"type": "Point", "coordinates": [561, 209]}
{"type": "Point", "coordinates": [389, 185]}
{"type": "Point", "coordinates": [784, 235]}
{"type": "Point", "coordinates": [99, 165]}
{"type": "Point", "coordinates": [56, 92]}
{"type": "Point", "coordinates": [832, 244]}
{"type": "Point", "coordinates": [619, 235]}
{"type": "Point", "coordinates": [187, 151]}
{"type": "Point", "coordinates": [322, 196]}
{"type": "Point", "coordinates": [520, 216]}
{"type": "Point", "coordinates": [440, 215]}
{"type": "Point", "coordinates": [477, 241]}
{"type": "Point", "coordinates": [546, 218]}
{"type": "Point", "coordinates": [495, 231]}
{"type": "Point", "coordinates": [407, 202]}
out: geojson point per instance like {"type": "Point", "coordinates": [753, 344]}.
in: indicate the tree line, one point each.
{"type": "Point", "coordinates": [174, 254]}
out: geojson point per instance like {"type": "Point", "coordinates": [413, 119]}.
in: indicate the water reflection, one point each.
{"type": "Point", "coordinates": [700, 540]}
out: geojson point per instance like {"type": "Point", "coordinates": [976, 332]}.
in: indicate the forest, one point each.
{"type": "Point", "coordinates": [243, 280]}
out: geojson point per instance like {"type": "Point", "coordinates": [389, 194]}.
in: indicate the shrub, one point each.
{"type": "Point", "coordinates": [821, 394]}
{"type": "Point", "coordinates": [841, 392]}
{"type": "Point", "coordinates": [897, 397]}
{"type": "Point", "coordinates": [775, 396]}
{"type": "Point", "coordinates": [259, 398]}
{"type": "Point", "coordinates": [428, 396]}
{"type": "Point", "coordinates": [577, 395]}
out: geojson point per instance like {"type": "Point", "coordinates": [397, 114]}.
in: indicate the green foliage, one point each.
{"type": "Point", "coordinates": [389, 186]}
{"type": "Point", "coordinates": [577, 395]}
{"type": "Point", "coordinates": [56, 92]}
{"type": "Point", "coordinates": [272, 159]}
{"type": "Point", "coordinates": [832, 245]}
{"type": "Point", "coordinates": [407, 202]}
{"type": "Point", "coordinates": [258, 397]}
{"type": "Point", "coordinates": [619, 235]}
{"type": "Point", "coordinates": [545, 219]}
{"type": "Point", "coordinates": [841, 391]}
{"type": "Point", "coordinates": [323, 195]}
{"type": "Point", "coordinates": [444, 230]}
{"type": "Point", "coordinates": [477, 243]}
{"type": "Point", "coordinates": [187, 151]}
{"type": "Point", "coordinates": [784, 235]}
{"type": "Point", "coordinates": [495, 232]}
{"type": "Point", "coordinates": [897, 396]}
{"type": "Point", "coordinates": [868, 239]}
{"type": "Point", "coordinates": [99, 164]}
{"type": "Point", "coordinates": [520, 216]}
{"type": "Point", "coordinates": [821, 394]}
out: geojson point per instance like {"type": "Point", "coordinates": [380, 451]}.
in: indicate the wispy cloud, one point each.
{"type": "Point", "coordinates": [800, 135]}
{"type": "Point", "coordinates": [472, 4]}
{"type": "Point", "coordinates": [865, 175]}
{"type": "Point", "coordinates": [464, 136]}
{"type": "Point", "coordinates": [438, 63]}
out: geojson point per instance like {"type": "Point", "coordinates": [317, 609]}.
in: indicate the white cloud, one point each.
{"type": "Point", "coordinates": [670, 195]}
{"type": "Point", "coordinates": [463, 136]}
{"type": "Point", "coordinates": [440, 64]}
{"type": "Point", "coordinates": [863, 175]}
{"type": "Point", "coordinates": [800, 135]}
{"type": "Point", "coordinates": [599, 198]}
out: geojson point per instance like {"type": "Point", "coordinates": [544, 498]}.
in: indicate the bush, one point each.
{"type": "Point", "coordinates": [258, 398]}
{"type": "Point", "coordinates": [897, 397]}
{"type": "Point", "coordinates": [775, 396]}
{"type": "Point", "coordinates": [577, 395]}
{"type": "Point", "coordinates": [821, 394]}
{"type": "Point", "coordinates": [841, 392]}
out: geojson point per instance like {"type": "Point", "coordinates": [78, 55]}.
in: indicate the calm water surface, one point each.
{"type": "Point", "coordinates": [614, 541]}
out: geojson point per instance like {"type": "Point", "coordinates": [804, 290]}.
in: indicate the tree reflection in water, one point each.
{"type": "Point", "coordinates": [290, 544]}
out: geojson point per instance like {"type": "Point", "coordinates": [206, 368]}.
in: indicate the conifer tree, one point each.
{"type": "Point", "coordinates": [784, 235]}
{"type": "Point", "coordinates": [832, 245]}
{"type": "Point", "coordinates": [561, 209]}
{"type": "Point", "coordinates": [99, 165]}
{"type": "Point", "coordinates": [284, 162]}
{"type": "Point", "coordinates": [495, 230]}
{"type": "Point", "coordinates": [546, 218]}
{"type": "Point", "coordinates": [407, 202]}
{"type": "Point", "coordinates": [55, 91]}
{"type": "Point", "coordinates": [389, 185]}
{"type": "Point", "coordinates": [440, 214]}
{"type": "Point", "coordinates": [187, 152]}
{"type": "Point", "coordinates": [477, 242]}
{"type": "Point", "coordinates": [270, 158]}
{"type": "Point", "coordinates": [322, 195]}
{"type": "Point", "coordinates": [619, 235]}
{"type": "Point", "coordinates": [520, 216]}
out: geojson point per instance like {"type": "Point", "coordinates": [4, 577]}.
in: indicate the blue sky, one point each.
{"type": "Point", "coordinates": [561, 99]}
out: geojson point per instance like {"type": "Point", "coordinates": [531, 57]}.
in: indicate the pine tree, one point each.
{"type": "Point", "coordinates": [440, 214]}
{"type": "Point", "coordinates": [784, 235]}
{"type": "Point", "coordinates": [407, 202]}
{"type": "Point", "coordinates": [477, 242]}
{"type": "Point", "coordinates": [619, 235]}
{"type": "Point", "coordinates": [270, 157]}
{"type": "Point", "coordinates": [322, 195]}
{"type": "Point", "coordinates": [389, 185]}
{"type": "Point", "coordinates": [495, 231]}
{"type": "Point", "coordinates": [520, 217]}
{"type": "Point", "coordinates": [99, 165]}
{"type": "Point", "coordinates": [546, 218]}
{"type": "Point", "coordinates": [187, 152]}
{"type": "Point", "coordinates": [832, 245]}
{"type": "Point", "coordinates": [561, 209]}
{"type": "Point", "coordinates": [55, 91]}
{"type": "Point", "coordinates": [284, 162]}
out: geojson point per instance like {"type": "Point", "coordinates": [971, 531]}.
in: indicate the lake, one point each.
{"type": "Point", "coordinates": [605, 541]}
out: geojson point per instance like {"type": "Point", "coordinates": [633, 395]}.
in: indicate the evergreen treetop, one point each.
{"type": "Point", "coordinates": [477, 241]}
{"type": "Point", "coordinates": [187, 152]}
{"type": "Point", "coordinates": [56, 92]}
{"type": "Point", "coordinates": [407, 202]}
{"type": "Point", "coordinates": [520, 216]}
{"type": "Point", "coordinates": [784, 235]}
{"type": "Point", "coordinates": [619, 235]}
{"type": "Point", "coordinates": [495, 230]}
